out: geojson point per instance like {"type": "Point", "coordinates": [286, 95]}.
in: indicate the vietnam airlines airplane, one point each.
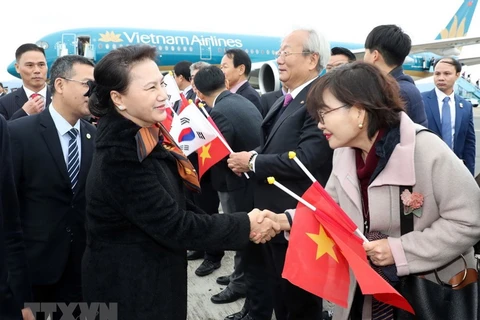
{"type": "Point", "coordinates": [174, 46]}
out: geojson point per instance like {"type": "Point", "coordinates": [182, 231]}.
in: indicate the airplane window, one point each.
{"type": "Point", "coordinates": [114, 46]}
{"type": "Point", "coordinates": [185, 49]}
{"type": "Point", "coordinates": [190, 49]}
{"type": "Point", "coordinates": [246, 50]}
{"type": "Point", "coordinates": [173, 48]}
{"type": "Point", "coordinates": [179, 48]}
{"type": "Point", "coordinates": [160, 48]}
{"type": "Point", "coordinates": [268, 51]}
{"type": "Point", "coordinates": [256, 51]}
{"type": "Point", "coordinates": [107, 46]}
{"type": "Point", "coordinates": [263, 51]}
{"type": "Point", "coordinates": [166, 48]}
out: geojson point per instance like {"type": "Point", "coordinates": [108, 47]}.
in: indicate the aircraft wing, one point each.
{"type": "Point", "coordinates": [470, 61]}
{"type": "Point", "coordinates": [444, 47]}
{"type": "Point", "coordinates": [445, 44]}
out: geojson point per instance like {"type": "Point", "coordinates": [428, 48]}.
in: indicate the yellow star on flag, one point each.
{"type": "Point", "coordinates": [324, 244]}
{"type": "Point", "coordinates": [205, 153]}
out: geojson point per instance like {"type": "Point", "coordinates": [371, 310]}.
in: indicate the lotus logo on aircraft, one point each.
{"type": "Point", "coordinates": [110, 36]}
{"type": "Point", "coordinates": [456, 30]}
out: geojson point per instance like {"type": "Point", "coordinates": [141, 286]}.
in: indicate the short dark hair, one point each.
{"type": "Point", "coordinates": [1, 84]}
{"type": "Point", "coordinates": [182, 68]}
{"type": "Point", "coordinates": [63, 68]}
{"type": "Point", "coordinates": [392, 43]}
{"type": "Point", "coordinates": [112, 72]}
{"type": "Point", "coordinates": [335, 51]}
{"type": "Point", "coordinates": [449, 60]}
{"type": "Point", "coordinates": [364, 85]}
{"type": "Point", "coordinates": [240, 57]}
{"type": "Point", "coordinates": [209, 79]}
{"type": "Point", "coordinates": [27, 47]}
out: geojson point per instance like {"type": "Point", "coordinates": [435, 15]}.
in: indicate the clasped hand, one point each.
{"type": "Point", "coordinates": [263, 225]}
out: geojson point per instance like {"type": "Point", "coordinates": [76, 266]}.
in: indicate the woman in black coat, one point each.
{"type": "Point", "coordinates": [139, 223]}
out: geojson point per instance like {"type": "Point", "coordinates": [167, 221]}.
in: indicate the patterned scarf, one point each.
{"type": "Point", "coordinates": [148, 138]}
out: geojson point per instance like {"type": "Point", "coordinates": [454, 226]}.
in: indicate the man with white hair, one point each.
{"type": "Point", "coordinates": [287, 127]}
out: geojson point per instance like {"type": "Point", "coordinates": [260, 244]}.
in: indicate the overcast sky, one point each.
{"type": "Point", "coordinates": [339, 20]}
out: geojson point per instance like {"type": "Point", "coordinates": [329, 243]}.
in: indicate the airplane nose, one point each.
{"type": "Point", "coordinates": [11, 69]}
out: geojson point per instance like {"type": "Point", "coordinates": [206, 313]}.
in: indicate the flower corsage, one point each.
{"type": "Point", "coordinates": [412, 203]}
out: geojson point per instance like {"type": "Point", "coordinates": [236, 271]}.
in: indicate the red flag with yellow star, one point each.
{"type": "Point", "coordinates": [212, 152]}
{"type": "Point", "coordinates": [328, 274]}
{"type": "Point", "coordinates": [313, 261]}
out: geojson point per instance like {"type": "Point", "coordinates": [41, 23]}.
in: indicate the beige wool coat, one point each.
{"type": "Point", "coordinates": [449, 224]}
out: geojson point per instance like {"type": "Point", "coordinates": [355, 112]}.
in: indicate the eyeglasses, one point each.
{"type": "Point", "coordinates": [321, 114]}
{"type": "Point", "coordinates": [279, 54]}
{"type": "Point", "coordinates": [83, 83]}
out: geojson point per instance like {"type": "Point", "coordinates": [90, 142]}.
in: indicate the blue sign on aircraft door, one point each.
{"type": "Point", "coordinates": [205, 52]}
{"type": "Point", "coordinates": [69, 44]}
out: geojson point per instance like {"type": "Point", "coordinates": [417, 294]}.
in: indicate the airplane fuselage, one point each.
{"type": "Point", "coordinates": [175, 46]}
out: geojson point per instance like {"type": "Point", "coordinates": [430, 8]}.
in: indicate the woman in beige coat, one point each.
{"type": "Point", "coordinates": [378, 149]}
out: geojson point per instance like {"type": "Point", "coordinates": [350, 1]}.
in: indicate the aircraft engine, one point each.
{"type": "Point", "coordinates": [268, 77]}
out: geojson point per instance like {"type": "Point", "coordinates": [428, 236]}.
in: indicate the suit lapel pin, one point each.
{"type": "Point", "coordinates": [302, 102]}
{"type": "Point", "coordinates": [88, 136]}
{"type": "Point", "coordinates": [461, 105]}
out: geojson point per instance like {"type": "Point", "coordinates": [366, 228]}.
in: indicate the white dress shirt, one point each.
{"type": "Point", "coordinates": [63, 127]}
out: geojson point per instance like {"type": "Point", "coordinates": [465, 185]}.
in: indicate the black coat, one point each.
{"type": "Point", "coordinates": [268, 99]}
{"type": "Point", "coordinates": [295, 130]}
{"type": "Point", "coordinates": [52, 216]}
{"type": "Point", "coordinates": [11, 104]}
{"type": "Point", "coordinates": [247, 91]}
{"type": "Point", "coordinates": [139, 225]}
{"type": "Point", "coordinates": [239, 122]}
{"type": "Point", "coordinates": [15, 291]}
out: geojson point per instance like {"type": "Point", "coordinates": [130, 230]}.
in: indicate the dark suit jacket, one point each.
{"type": "Point", "coordinates": [295, 130]}
{"type": "Point", "coordinates": [139, 225]}
{"type": "Point", "coordinates": [190, 95]}
{"type": "Point", "coordinates": [15, 291]}
{"type": "Point", "coordinates": [410, 95]}
{"type": "Point", "coordinates": [11, 104]}
{"type": "Point", "coordinates": [268, 99]}
{"type": "Point", "coordinates": [52, 216]}
{"type": "Point", "coordinates": [464, 138]}
{"type": "Point", "coordinates": [246, 90]}
{"type": "Point", "coordinates": [239, 121]}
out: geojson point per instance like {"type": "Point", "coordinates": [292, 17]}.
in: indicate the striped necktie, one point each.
{"type": "Point", "coordinates": [73, 166]}
{"type": "Point", "coordinates": [447, 122]}
{"type": "Point", "coordinates": [148, 138]}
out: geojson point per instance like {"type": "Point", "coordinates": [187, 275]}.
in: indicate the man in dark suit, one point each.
{"type": "Point", "coordinates": [268, 99]}
{"type": "Point", "coordinates": [287, 127]}
{"type": "Point", "coordinates": [449, 115]}
{"type": "Point", "coordinates": [239, 122]}
{"type": "Point", "coordinates": [52, 152]}
{"type": "Point", "coordinates": [386, 47]}
{"type": "Point", "coordinates": [34, 95]}
{"type": "Point", "coordinates": [236, 65]}
{"type": "Point", "coordinates": [15, 291]}
{"type": "Point", "coordinates": [183, 79]}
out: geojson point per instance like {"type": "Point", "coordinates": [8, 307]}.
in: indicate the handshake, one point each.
{"type": "Point", "coordinates": [264, 225]}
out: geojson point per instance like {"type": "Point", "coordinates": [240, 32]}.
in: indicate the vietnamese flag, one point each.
{"type": "Point", "coordinates": [167, 123]}
{"type": "Point", "coordinates": [183, 103]}
{"type": "Point", "coordinates": [210, 154]}
{"type": "Point", "coordinates": [313, 261]}
{"type": "Point", "coordinates": [331, 285]}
